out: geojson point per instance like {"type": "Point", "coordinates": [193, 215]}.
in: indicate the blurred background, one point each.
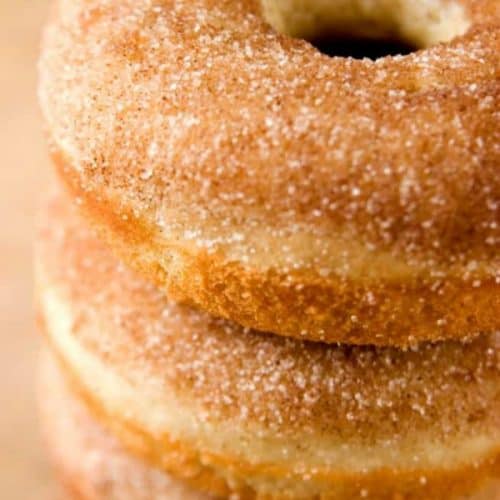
{"type": "Point", "coordinates": [24, 473]}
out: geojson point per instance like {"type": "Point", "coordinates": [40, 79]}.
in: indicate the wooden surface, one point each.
{"type": "Point", "coordinates": [23, 471]}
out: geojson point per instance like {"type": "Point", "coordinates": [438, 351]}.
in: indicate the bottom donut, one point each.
{"type": "Point", "coordinates": [89, 462]}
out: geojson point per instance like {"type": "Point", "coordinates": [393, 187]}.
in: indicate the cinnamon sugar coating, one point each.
{"type": "Point", "coordinates": [294, 398]}
{"type": "Point", "coordinates": [326, 198]}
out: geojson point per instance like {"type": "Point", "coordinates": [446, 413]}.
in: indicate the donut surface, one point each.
{"type": "Point", "coordinates": [90, 463]}
{"type": "Point", "coordinates": [236, 411]}
{"type": "Point", "coordinates": [93, 465]}
{"type": "Point", "coordinates": [245, 172]}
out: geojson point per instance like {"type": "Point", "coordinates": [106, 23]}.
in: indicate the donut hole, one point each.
{"type": "Point", "coordinates": [361, 48]}
{"type": "Point", "coordinates": [367, 28]}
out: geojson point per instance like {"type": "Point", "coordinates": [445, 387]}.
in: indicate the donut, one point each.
{"type": "Point", "coordinates": [249, 174]}
{"type": "Point", "coordinates": [89, 462]}
{"type": "Point", "coordinates": [235, 411]}
{"type": "Point", "coordinates": [93, 465]}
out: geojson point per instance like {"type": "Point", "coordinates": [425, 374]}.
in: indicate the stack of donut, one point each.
{"type": "Point", "coordinates": [267, 272]}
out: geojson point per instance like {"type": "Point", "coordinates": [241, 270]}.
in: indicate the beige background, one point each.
{"type": "Point", "coordinates": [24, 474]}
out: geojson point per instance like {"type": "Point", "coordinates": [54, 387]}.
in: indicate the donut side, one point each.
{"type": "Point", "coordinates": [402, 312]}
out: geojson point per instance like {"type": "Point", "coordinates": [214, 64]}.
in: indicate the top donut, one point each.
{"type": "Point", "coordinates": [320, 197]}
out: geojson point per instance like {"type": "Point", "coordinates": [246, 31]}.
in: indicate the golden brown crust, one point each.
{"type": "Point", "coordinates": [292, 391]}
{"type": "Point", "coordinates": [226, 155]}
